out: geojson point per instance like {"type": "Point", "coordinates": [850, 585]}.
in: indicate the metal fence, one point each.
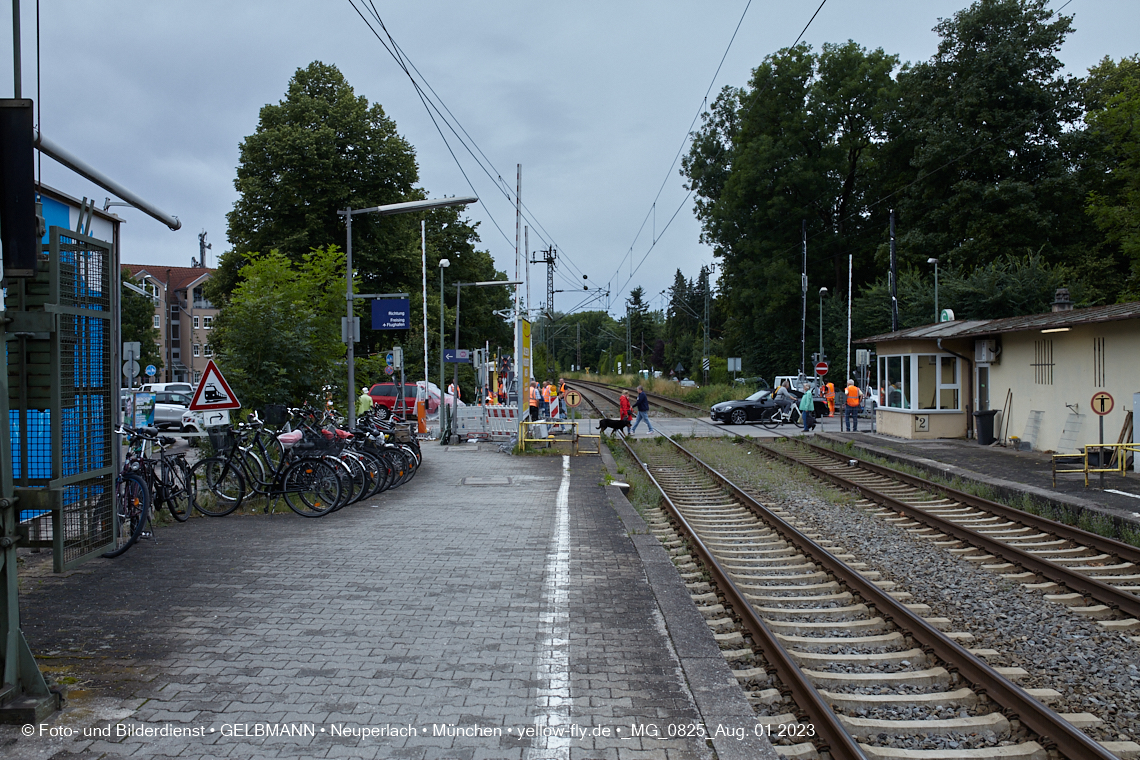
{"type": "Point", "coordinates": [62, 397]}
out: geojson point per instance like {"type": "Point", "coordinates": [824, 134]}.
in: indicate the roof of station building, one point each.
{"type": "Point", "coordinates": [1050, 320]}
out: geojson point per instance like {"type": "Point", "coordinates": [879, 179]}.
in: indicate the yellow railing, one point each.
{"type": "Point", "coordinates": [559, 431]}
{"type": "Point", "coordinates": [1119, 456]}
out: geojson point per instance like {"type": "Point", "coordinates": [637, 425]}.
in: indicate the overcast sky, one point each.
{"type": "Point", "coordinates": [594, 100]}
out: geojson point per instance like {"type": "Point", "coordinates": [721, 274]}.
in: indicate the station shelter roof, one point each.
{"type": "Point", "coordinates": [968, 328]}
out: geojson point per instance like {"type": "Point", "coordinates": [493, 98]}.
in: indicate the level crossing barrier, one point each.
{"type": "Point", "coordinates": [549, 432]}
{"type": "Point", "coordinates": [492, 422]}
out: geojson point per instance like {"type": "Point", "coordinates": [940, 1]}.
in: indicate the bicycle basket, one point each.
{"type": "Point", "coordinates": [275, 415]}
{"type": "Point", "coordinates": [221, 438]}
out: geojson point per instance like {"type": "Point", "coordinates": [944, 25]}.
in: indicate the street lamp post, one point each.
{"type": "Point", "coordinates": [443, 264]}
{"type": "Point", "coordinates": [349, 296]}
{"type": "Point", "coordinates": [822, 293]}
{"type": "Point", "coordinates": [934, 261]}
{"type": "Point", "coordinates": [458, 287]}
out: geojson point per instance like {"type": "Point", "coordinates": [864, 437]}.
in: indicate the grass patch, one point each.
{"type": "Point", "coordinates": [643, 494]}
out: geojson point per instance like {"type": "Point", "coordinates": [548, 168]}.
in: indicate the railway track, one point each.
{"type": "Point", "coordinates": [820, 642]}
{"type": "Point", "coordinates": [1099, 577]}
{"type": "Point", "coordinates": [663, 403]}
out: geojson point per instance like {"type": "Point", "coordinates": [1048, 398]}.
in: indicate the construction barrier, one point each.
{"type": "Point", "coordinates": [553, 432]}
{"type": "Point", "coordinates": [491, 422]}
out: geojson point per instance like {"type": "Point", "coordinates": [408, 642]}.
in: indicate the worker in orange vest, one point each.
{"type": "Point", "coordinates": [533, 401]}
{"type": "Point", "coordinates": [830, 396]}
{"type": "Point", "coordinates": [851, 411]}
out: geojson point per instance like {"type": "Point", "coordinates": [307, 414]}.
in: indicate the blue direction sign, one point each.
{"type": "Point", "coordinates": [452, 356]}
{"type": "Point", "coordinates": [391, 313]}
{"type": "Point", "coordinates": [151, 370]}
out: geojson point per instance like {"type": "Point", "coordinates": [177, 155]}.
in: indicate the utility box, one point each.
{"type": "Point", "coordinates": [985, 352]}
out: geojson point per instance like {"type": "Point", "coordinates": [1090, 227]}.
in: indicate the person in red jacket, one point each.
{"type": "Point", "coordinates": [624, 409]}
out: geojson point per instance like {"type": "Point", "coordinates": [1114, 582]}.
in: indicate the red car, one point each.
{"type": "Point", "coordinates": [384, 398]}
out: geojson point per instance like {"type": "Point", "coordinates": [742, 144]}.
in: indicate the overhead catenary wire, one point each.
{"type": "Point", "coordinates": [434, 102]}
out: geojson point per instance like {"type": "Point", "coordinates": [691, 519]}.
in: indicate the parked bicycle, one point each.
{"type": "Point", "coordinates": [145, 485]}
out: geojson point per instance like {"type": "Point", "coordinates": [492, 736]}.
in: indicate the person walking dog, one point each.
{"type": "Point", "coordinates": [642, 411]}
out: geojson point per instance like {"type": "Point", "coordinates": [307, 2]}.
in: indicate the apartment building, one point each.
{"type": "Point", "coordinates": [183, 316]}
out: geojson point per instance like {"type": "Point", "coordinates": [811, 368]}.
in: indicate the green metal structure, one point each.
{"type": "Point", "coordinates": [58, 463]}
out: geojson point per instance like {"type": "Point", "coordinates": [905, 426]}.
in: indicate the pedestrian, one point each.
{"type": "Point", "coordinates": [642, 411]}
{"type": "Point", "coordinates": [545, 390]}
{"type": "Point", "coordinates": [807, 408]}
{"type": "Point", "coordinates": [830, 396]}
{"type": "Point", "coordinates": [624, 409]}
{"type": "Point", "coordinates": [364, 402]}
{"type": "Point", "coordinates": [784, 396]}
{"type": "Point", "coordinates": [851, 411]}
{"type": "Point", "coordinates": [533, 391]}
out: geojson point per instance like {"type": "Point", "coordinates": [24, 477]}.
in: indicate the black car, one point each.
{"type": "Point", "coordinates": [745, 410]}
{"type": "Point", "coordinates": [756, 407]}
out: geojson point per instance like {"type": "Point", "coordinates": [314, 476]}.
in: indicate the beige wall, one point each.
{"type": "Point", "coordinates": [939, 424]}
{"type": "Point", "coordinates": [1075, 379]}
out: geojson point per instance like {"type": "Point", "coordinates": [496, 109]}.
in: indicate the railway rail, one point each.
{"type": "Point", "coordinates": [835, 638]}
{"type": "Point", "coordinates": [671, 405]}
{"type": "Point", "coordinates": [1018, 545]}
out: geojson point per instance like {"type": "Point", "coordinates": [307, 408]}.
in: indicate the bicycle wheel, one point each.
{"type": "Point", "coordinates": [360, 480]}
{"type": "Point", "coordinates": [132, 510]}
{"type": "Point", "coordinates": [217, 488]}
{"type": "Point", "coordinates": [771, 418]}
{"type": "Point", "coordinates": [372, 473]}
{"type": "Point", "coordinates": [175, 474]}
{"type": "Point", "coordinates": [400, 472]}
{"type": "Point", "coordinates": [312, 488]}
{"type": "Point", "coordinates": [253, 470]}
{"type": "Point", "coordinates": [347, 481]}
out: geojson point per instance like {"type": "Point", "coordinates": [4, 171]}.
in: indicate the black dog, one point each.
{"type": "Point", "coordinates": [618, 426]}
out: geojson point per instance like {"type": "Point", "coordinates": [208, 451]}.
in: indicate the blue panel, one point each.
{"type": "Point", "coordinates": [56, 214]}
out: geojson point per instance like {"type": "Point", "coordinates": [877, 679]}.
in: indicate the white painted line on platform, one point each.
{"type": "Point", "coordinates": [554, 700]}
{"type": "Point", "coordinates": [1122, 493]}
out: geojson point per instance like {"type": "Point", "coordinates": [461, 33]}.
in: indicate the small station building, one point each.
{"type": "Point", "coordinates": [1038, 374]}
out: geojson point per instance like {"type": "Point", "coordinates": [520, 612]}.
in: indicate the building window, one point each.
{"type": "Point", "coordinates": [197, 376]}
{"type": "Point", "coordinates": [197, 349]}
{"type": "Point", "coordinates": [209, 350]}
{"type": "Point", "coordinates": [921, 382]}
{"type": "Point", "coordinates": [157, 321]}
{"type": "Point", "coordinates": [1098, 362]}
{"type": "Point", "coordinates": [207, 322]}
{"type": "Point", "coordinates": [1043, 361]}
{"type": "Point", "coordinates": [195, 321]}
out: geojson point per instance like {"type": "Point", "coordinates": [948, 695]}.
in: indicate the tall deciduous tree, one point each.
{"type": "Point", "coordinates": [992, 117]}
{"type": "Point", "coordinates": [798, 145]}
{"type": "Point", "coordinates": [320, 150]}
{"type": "Point", "coordinates": [1113, 97]}
{"type": "Point", "coordinates": [278, 338]}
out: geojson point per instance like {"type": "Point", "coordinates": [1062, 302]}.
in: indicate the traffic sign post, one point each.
{"type": "Point", "coordinates": [151, 370]}
{"type": "Point", "coordinates": [456, 356]}
{"type": "Point", "coordinates": [1101, 403]}
{"type": "Point", "coordinates": [573, 398]}
{"type": "Point", "coordinates": [821, 368]}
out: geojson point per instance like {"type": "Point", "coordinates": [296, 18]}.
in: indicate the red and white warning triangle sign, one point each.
{"type": "Point", "coordinates": [213, 392]}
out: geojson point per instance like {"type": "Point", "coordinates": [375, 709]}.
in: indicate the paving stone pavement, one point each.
{"type": "Point", "coordinates": [440, 608]}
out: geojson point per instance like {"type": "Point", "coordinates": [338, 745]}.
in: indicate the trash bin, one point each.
{"type": "Point", "coordinates": [985, 426]}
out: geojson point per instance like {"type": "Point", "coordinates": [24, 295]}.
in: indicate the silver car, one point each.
{"type": "Point", "coordinates": [169, 406]}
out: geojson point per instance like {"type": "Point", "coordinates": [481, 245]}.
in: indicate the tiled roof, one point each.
{"type": "Point", "coordinates": [180, 277]}
{"type": "Point", "coordinates": [1050, 320]}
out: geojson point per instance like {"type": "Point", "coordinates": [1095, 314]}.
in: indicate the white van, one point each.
{"type": "Point", "coordinates": [172, 387]}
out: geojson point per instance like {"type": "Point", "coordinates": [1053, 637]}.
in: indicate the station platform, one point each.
{"type": "Point", "coordinates": [496, 606]}
{"type": "Point", "coordinates": [1008, 471]}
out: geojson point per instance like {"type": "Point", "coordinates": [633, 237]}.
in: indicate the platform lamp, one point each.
{"type": "Point", "coordinates": [387, 210]}
{"type": "Point", "coordinates": [937, 314]}
{"type": "Point", "coordinates": [443, 264]}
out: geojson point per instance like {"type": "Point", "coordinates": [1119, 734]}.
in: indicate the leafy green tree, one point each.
{"type": "Point", "coordinates": [320, 150]}
{"type": "Point", "coordinates": [278, 338]}
{"type": "Point", "coordinates": [1113, 96]}
{"type": "Point", "coordinates": [994, 125]}
{"type": "Point", "coordinates": [138, 324]}
{"type": "Point", "coordinates": [799, 144]}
